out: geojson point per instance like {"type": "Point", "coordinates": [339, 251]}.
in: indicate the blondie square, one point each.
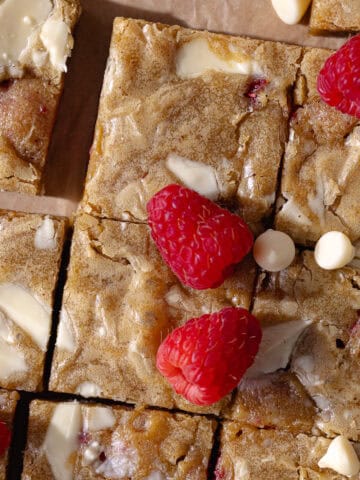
{"type": "Point", "coordinates": [335, 15]}
{"type": "Point", "coordinates": [30, 253]}
{"type": "Point", "coordinates": [181, 106]}
{"type": "Point", "coordinates": [8, 402]}
{"type": "Point", "coordinates": [83, 441]}
{"type": "Point", "coordinates": [319, 186]}
{"type": "Point", "coordinates": [311, 334]}
{"type": "Point", "coordinates": [35, 41]}
{"type": "Point", "coordinates": [120, 301]}
{"type": "Point", "coordinates": [253, 454]}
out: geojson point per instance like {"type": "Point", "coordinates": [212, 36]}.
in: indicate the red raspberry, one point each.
{"type": "Point", "coordinates": [200, 241]}
{"type": "Point", "coordinates": [5, 437]}
{"type": "Point", "coordinates": [205, 359]}
{"type": "Point", "coordinates": [339, 80]}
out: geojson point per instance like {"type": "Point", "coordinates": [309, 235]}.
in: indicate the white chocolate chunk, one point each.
{"type": "Point", "coordinates": [341, 457]}
{"type": "Point", "coordinates": [195, 57]}
{"type": "Point", "coordinates": [58, 41]}
{"type": "Point", "coordinates": [290, 11]}
{"type": "Point", "coordinates": [194, 175]}
{"type": "Point", "coordinates": [333, 250]}
{"type": "Point", "coordinates": [11, 361]}
{"type": "Point", "coordinates": [274, 250]}
{"type": "Point", "coordinates": [18, 20]}
{"type": "Point", "coordinates": [100, 418]}
{"type": "Point", "coordinates": [88, 389]}
{"type": "Point", "coordinates": [45, 235]}
{"type": "Point", "coordinates": [65, 339]}
{"type": "Point", "coordinates": [21, 307]}
{"type": "Point", "coordinates": [62, 439]}
{"type": "Point", "coordinates": [276, 347]}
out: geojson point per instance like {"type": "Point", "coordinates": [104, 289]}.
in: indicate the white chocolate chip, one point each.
{"type": "Point", "coordinates": [45, 235]}
{"type": "Point", "coordinates": [21, 307]}
{"type": "Point", "coordinates": [195, 57]}
{"type": "Point", "coordinates": [100, 418]}
{"type": "Point", "coordinates": [341, 457]}
{"type": "Point", "coordinates": [333, 250]}
{"type": "Point", "coordinates": [62, 439]}
{"type": "Point", "coordinates": [58, 41]}
{"type": "Point", "coordinates": [194, 175]}
{"type": "Point", "coordinates": [274, 251]}
{"type": "Point", "coordinates": [290, 11]}
{"type": "Point", "coordinates": [88, 389]}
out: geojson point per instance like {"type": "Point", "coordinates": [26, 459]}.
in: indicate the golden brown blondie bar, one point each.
{"type": "Point", "coordinates": [120, 301]}
{"type": "Point", "coordinates": [252, 454]}
{"type": "Point", "coordinates": [92, 441]}
{"type": "Point", "coordinates": [335, 15]}
{"type": "Point", "coordinates": [30, 253]}
{"type": "Point", "coordinates": [319, 186]}
{"type": "Point", "coordinates": [181, 106]}
{"type": "Point", "coordinates": [311, 340]}
{"type": "Point", "coordinates": [35, 42]}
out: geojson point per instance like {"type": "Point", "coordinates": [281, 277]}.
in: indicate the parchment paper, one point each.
{"type": "Point", "coordinates": [72, 137]}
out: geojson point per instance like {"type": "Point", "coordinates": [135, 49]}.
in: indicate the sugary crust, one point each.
{"type": "Point", "coordinates": [319, 186]}
{"type": "Point", "coordinates": [335, 15]}
{"type": "Point", "coordinates": [325, 357]}
{"type": "Point", "coordinates": [272, 454]}
{"type": "Point", "coordinates": [8, 402]}
{"type": "Point", "coordinates": [120, 301]}
{"type": "Point", "coordinates": [29, 97]}
{"type": "Point", "coordinates": [174, 446]}
{"type": "Point", "coordinates": [36, 270]}
{"type": "Point", "coordinates": [147, 112]}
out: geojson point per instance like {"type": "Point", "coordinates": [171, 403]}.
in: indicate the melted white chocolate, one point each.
{"type": "Point", "coordinates": [62, 439]}
{"type": "Point", "coordinates": [18, 20]}
{"type": "Point", "coordinates": [58, 41]}
{"type": "Point", "coordinates": [22, 308]}
{"type": "Point", "coordinates": [196, 57]}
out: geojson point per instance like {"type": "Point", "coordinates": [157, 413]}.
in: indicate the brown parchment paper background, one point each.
{"type": "Point", "coordinates": [73, 133]}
